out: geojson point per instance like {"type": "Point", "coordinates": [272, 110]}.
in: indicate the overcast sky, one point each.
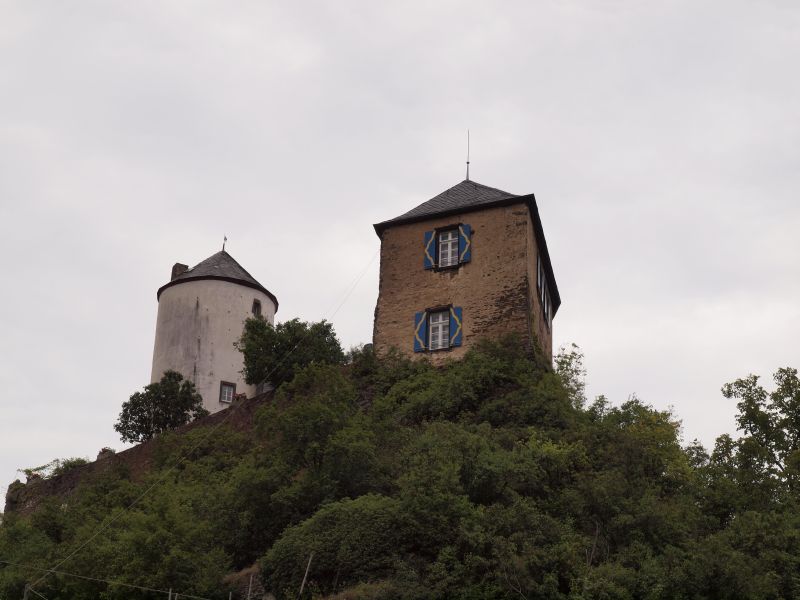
{"type": "Point", "coordinates": [661, 140]}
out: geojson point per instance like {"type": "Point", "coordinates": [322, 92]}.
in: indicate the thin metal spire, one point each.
{"type": "Point", "coordinates": [224, 239]}
{"type": "Point", "coordinates": [467, 154]}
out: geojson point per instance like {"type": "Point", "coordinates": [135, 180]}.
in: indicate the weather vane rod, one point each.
{"type": "Point", "coordinates": [224, 239]}
{"type": "Point", "coordinates": [467, 154]}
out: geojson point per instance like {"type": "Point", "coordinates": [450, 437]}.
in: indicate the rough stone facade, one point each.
{"type": "Point", "coordinates": [496, 289]}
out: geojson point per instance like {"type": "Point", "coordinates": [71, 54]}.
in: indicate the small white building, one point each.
{"type": "Point", "coordinates": [201, 313]}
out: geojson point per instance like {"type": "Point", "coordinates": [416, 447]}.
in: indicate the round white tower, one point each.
{"type": "Point", "coordinates": [201, 313]}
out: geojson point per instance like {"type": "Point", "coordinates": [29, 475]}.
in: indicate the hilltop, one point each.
{"type": "Point", "coordinates": [490, 477]}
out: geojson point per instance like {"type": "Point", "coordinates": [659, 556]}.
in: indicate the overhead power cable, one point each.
{"type": "Point", "coordinates": [99, 580]}
{"type": "Point", "coordinates": [30, 589]}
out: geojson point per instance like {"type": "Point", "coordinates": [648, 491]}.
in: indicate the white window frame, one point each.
{"type": "Point", "coordinates": [447, 242]}
{"type": "Point", "coordinates": [439, 330]}
{"type": "Point", "coordinates": [538, 272]}
{"type": "Point", "coordinates": [547, 309]}
{"type": "Point", "coordinates": [226, 386]}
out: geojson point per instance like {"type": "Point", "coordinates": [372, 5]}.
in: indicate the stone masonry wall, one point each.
{"type": "Point", "coordinates": [493, 289]}
{"type": "Point", "coordinates": [541, 330]}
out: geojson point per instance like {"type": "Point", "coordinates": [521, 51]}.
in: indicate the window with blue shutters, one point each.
{"type": "Point", "coordinates": [447, 247]}
{"type": "Point", "coordinates": [438, 329]}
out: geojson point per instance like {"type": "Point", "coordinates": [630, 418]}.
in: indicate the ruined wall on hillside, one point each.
{"type": "Point", "coordinates": [136, 462]}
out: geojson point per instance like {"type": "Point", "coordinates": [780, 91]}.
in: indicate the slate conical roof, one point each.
{"type": "Point", "coordinates": [221, 266]}
{"type": "Point", "coordinates": [469, 196]}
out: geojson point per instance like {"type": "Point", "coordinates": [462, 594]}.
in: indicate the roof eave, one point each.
{"type": "Point", "coordinates": [248, 284]}
{"type": "Point", "coordinates": [542, 242]}
{"type": "Point", "coordinates": [380, 227]}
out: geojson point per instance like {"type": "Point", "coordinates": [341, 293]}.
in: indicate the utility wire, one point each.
{"type": "Point", "coordinates": [30, 589]}
{"type": "Point", "coordinates": [211, 431]}
{"type": "Point", "coordinates": [98, 580]}
{"type": "Point", "coordinates": [355, 283]}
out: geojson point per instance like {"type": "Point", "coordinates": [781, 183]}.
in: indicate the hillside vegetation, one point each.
{"type": "Point", "coordinates": [489, 478]}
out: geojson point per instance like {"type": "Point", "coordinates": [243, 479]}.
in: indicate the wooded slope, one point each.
{"type": "Point", "coordinates": [489, 478]}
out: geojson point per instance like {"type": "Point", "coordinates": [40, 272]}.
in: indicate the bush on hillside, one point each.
{"type": "Point", "coordinates": [273, 354]}
{"type": "Point", "coordinates": [352, 541]}
{"type": "Point", "coordinates": [162, 406]}
{"type": "Point", "coordinates": [54, 468]}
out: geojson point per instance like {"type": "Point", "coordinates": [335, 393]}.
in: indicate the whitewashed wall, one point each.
{"type": "Point", "coordinates": [197, 324]}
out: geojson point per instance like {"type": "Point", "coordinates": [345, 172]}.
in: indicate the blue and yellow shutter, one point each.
{"type": "Point", "coordinates": [429, 259]}
{"type": "Point", "coordinates": [456, 326]}
{"type": "Point", "coordinates": [464, 243]}
{"type": "Point", "coordinates": [420, 331]}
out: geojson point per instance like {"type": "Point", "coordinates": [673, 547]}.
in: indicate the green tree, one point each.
{"type": "Point", "coordinates": [568, 365]}
{"type": "Point", "coordinates": [276, 353]}
{"type": "Point", "coordinates": [306, 412]}
{"type": "Point", "coordinates": [162, 406]}
{"type": "Point", "coordinates": [770, 449]}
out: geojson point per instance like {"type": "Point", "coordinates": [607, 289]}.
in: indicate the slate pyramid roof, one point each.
{"type": "Point", "coordinates": [221, 266]}
{"type": "Point", "coordinates": [469, 196]}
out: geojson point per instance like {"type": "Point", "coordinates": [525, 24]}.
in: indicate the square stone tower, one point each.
{"type": "Point", "coordinates": [469, 263]}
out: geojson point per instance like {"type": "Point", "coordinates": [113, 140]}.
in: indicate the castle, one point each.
{"type": "Point", "coordinates": [470, 263]}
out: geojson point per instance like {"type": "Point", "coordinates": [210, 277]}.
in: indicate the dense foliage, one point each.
{"type": "Point", "coordinates": [54, 468]}
{"type": "Point", "coordinates": [489, 478]}
{"type": "Point", "coordinates": [273, 354]}
{"type": "Point", "coordinates": [162, 406]}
